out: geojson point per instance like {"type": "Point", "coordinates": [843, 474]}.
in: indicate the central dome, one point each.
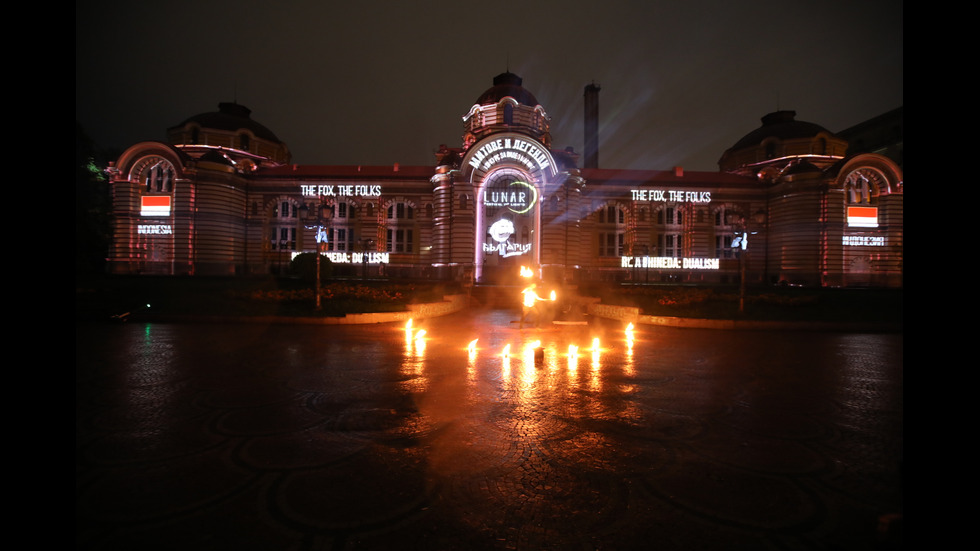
{"type": "Point", "coordinates": [506, 107]}
{"type": "Point", "coordinates": [781, 125]}
{"type": "Point", "coordinates": [507, 85]}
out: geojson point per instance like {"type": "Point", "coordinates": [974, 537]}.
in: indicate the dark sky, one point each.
{"type": "Point", "coordinates": [378, 82]}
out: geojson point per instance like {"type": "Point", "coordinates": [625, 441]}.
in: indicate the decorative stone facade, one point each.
{"type": "Point", "coordinates": [222, 199]}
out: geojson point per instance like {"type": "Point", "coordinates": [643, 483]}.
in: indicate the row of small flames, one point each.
{"type": "Point", "coordinates": [573, 349]}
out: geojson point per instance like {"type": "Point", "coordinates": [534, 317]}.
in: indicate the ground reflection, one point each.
{"type": "Point", "coordinates": [539, 379]}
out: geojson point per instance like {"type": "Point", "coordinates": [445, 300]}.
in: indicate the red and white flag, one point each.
{"type": "Point", "coordinates": [155, 205]}
{"type": "Point", "coordinates": [862, 217]}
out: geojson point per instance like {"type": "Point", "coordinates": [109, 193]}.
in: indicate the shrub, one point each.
{"type": "Point", "coordinates": [303, 266]}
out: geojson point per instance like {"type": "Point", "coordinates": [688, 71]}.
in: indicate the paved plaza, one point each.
{"type": "Point", "coordinates": [305, 437]}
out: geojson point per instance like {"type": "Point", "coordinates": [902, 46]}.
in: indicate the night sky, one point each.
{"type": "Point", "coordinates": [378, 82]}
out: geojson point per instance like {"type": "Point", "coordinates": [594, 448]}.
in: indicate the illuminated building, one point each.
{"type": "Point", "coordinates": [222, 198]}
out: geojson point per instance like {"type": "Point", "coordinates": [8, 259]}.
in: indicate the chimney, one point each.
{"type": "Point", "coordinates": [591, 126]}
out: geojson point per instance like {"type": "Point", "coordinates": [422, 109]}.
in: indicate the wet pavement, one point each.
{"type": "Point", "coordinates": [239, 436]}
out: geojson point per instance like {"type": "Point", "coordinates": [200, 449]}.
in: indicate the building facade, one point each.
{"type": "Point", "coordinates": [788, 205]}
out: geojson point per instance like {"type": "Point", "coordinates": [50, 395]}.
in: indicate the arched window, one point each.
{"type": "Point", "coordinates": [340, 234]}
{"type": "Point", "coordinates": [670, 216]}
{"type": "Point", "coordinates": [862, 186]}
{"type": "Point", "coordinates": [670, 238]}
{"type": "Point", "coordinates": [401, 211]}
{"type": "Point", "coordinates": [726, 217]}
{"type": "Point", "coordinates": [156, 175]}
{"type": "Point", "coordinates": [400, 234]}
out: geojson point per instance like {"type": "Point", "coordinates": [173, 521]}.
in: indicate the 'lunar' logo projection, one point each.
{"type": "Point", "coordinates": [519, 200]}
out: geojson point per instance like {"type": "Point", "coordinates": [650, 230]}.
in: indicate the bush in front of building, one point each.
{"type": "Point", "coordinates": [303, 266]}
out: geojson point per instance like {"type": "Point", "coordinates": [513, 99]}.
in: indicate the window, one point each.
{"type": "Point", "coordinates": [156, 175]}
{"type": "Point", "coordinates": [671, 244]}
{"type": "Point", "coordinates": [862, 186]}
{"type": "Point", "coordinates": [612, 230]}
{"type": "Point", "coordinates": [724, 233]}
{"type": "Point", "coordinates": [612, 214]}
{"type": "Point", "coordinates": [670, 216]}
{"type": "Point", "coordinates": [400, 241]}
{"type": "Point", "coordinates": [399, 234]}
{"type": "Point", "coordinates": [723, 246]}
{"type": "Point", "coordinates": [283, 227]}
{"type": "Point", "coordinates": [401, 211]}
{"type": "Point", "coordinates": [283, 238]}
{"type": "Point", "coordinates": [341, 239]}
{"type": "Point", "coordinates": [611, 243]}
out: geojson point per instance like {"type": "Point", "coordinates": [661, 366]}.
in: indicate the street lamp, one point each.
{"type": "Point", "coordinates": [282, 245]}
{"type": "Point", "coordinates": [364, 243]}
{"type": "Point", "coordinates": [741, 246]}
{"type": "Point", "coordinates": [320, 225]}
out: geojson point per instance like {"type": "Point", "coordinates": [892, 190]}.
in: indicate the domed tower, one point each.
{"type": "Point", "coordinates": [489, 195]}
{"type": "Point", "coordinates": [506, 106]}
{"type": "Point", "coordinates": [163, 191]}
{"type": "Point", "coordinates": [828, 220]}
{"type": "Point", "coordinates": [782, 140]}
{"type": "Point", "coordinates": [231, 131]}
